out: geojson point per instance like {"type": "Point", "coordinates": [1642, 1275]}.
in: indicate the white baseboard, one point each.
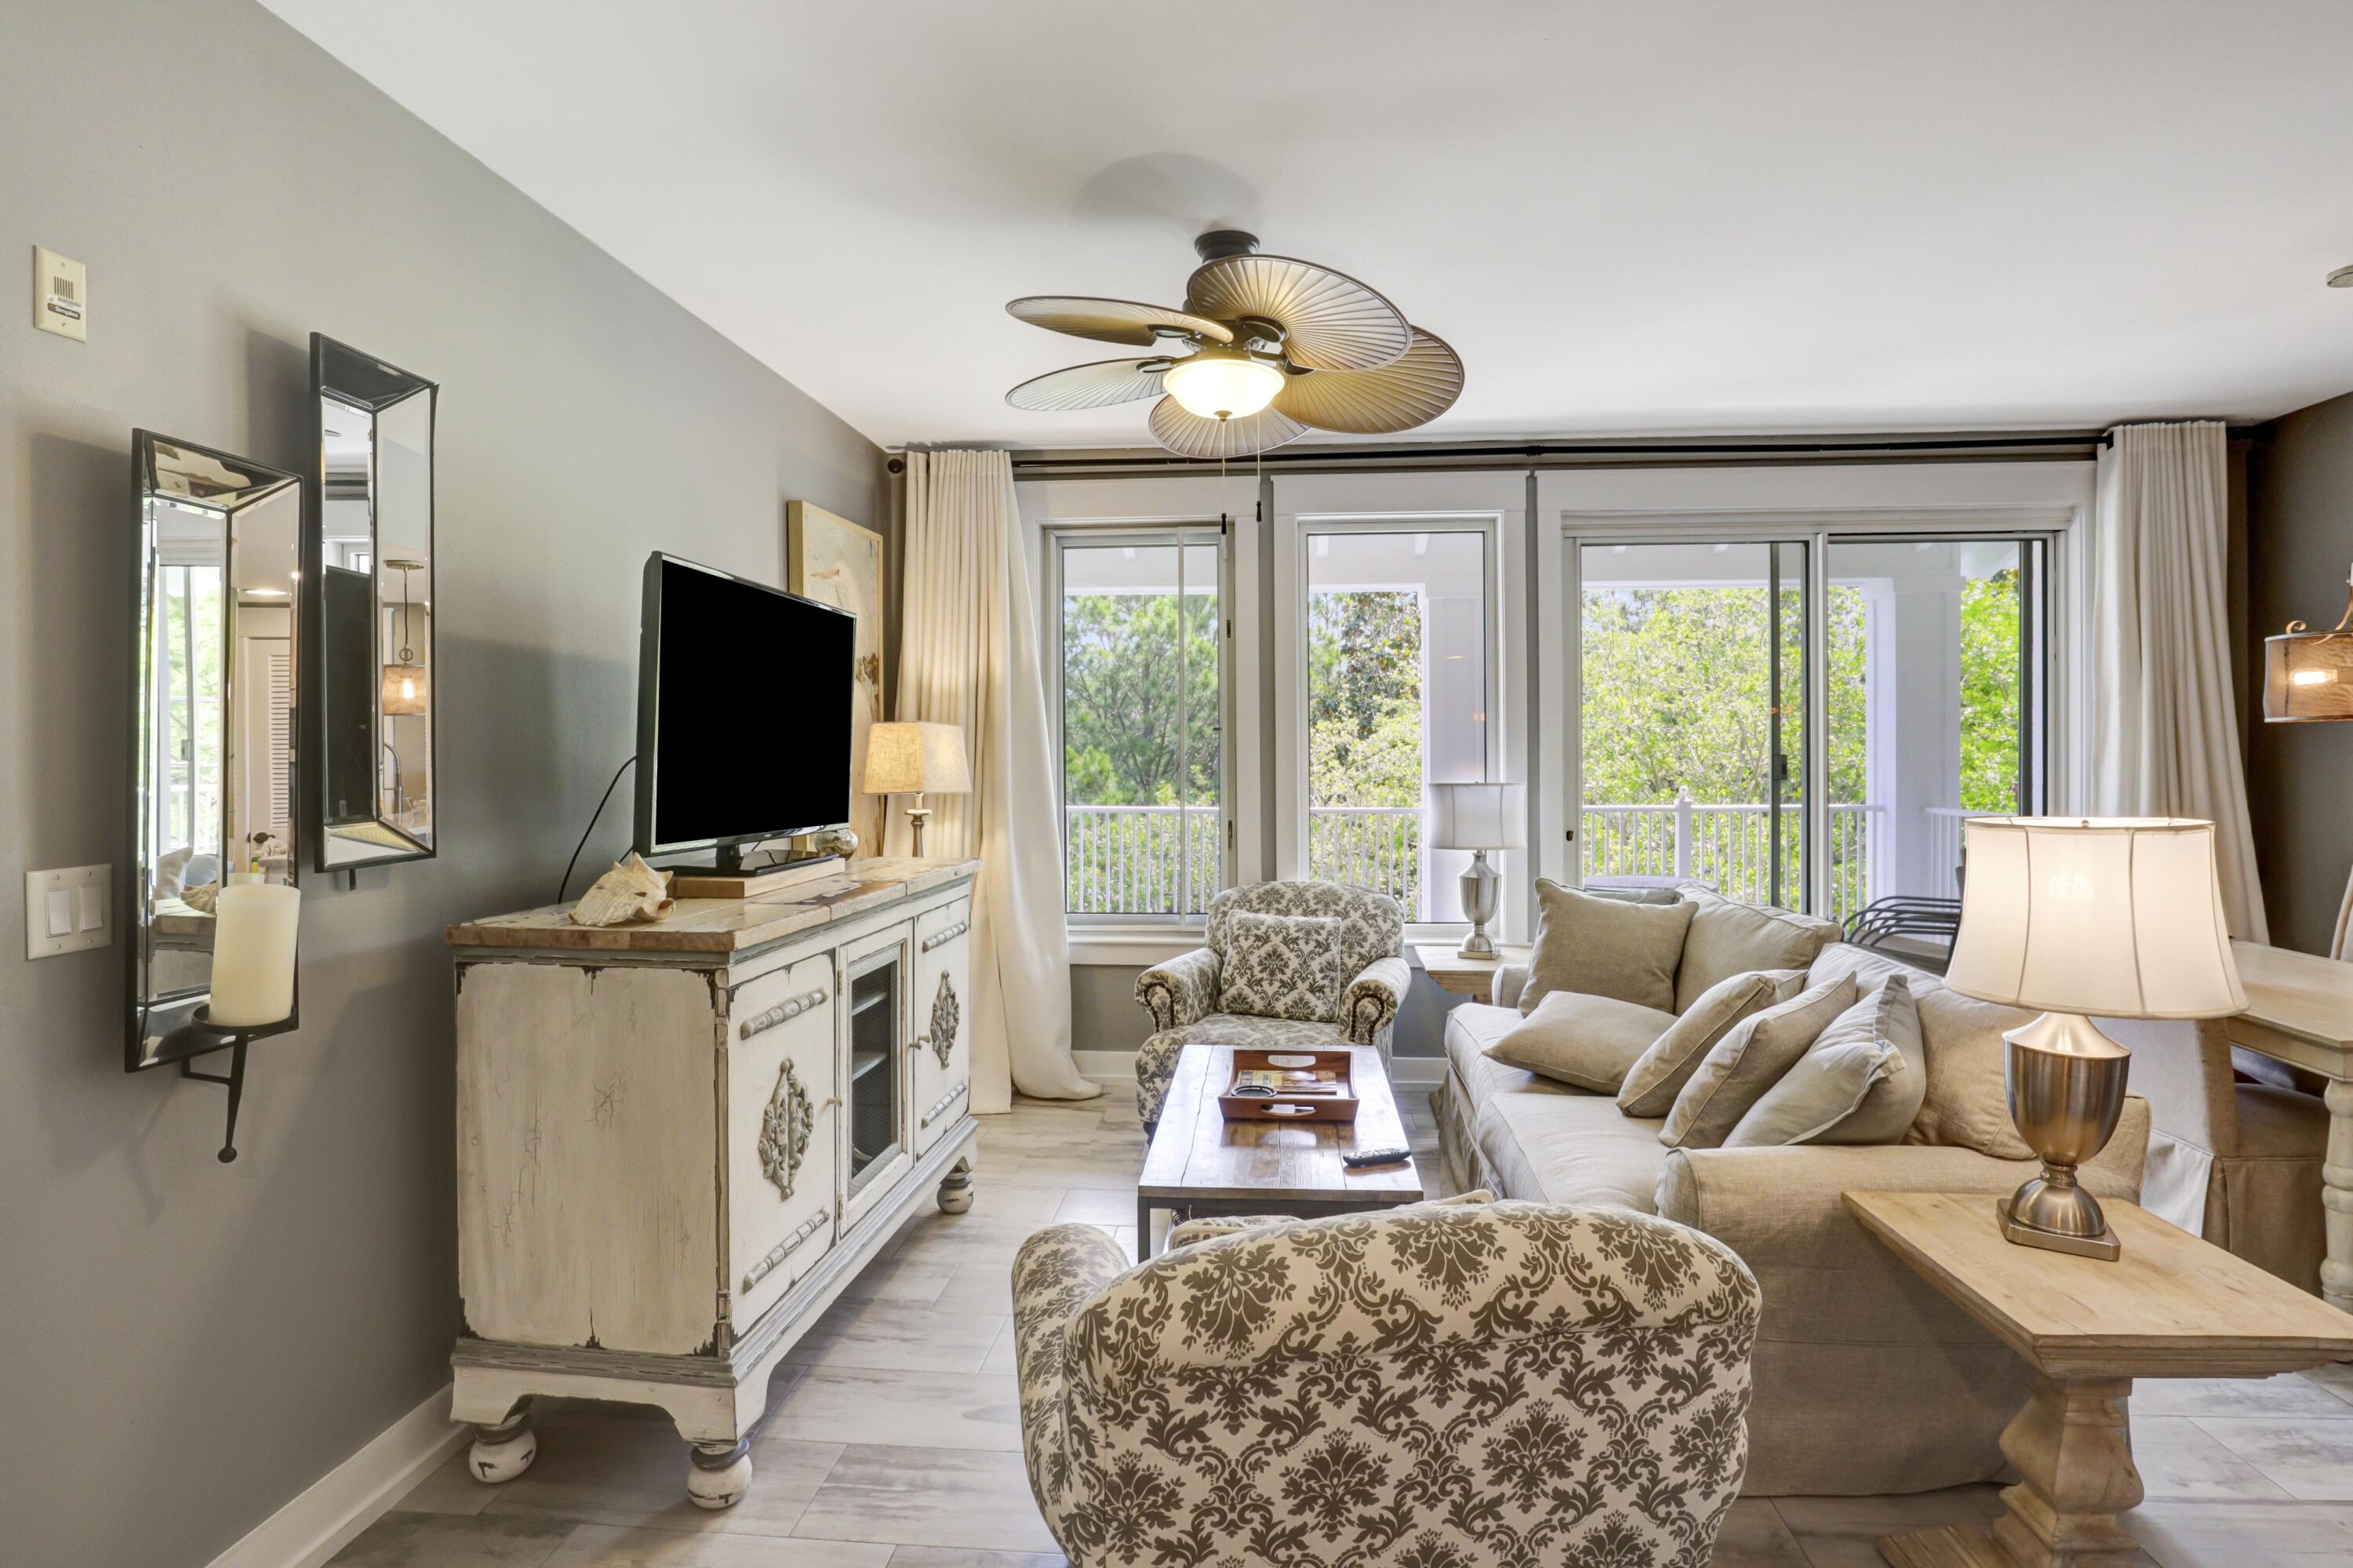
{"type": "Point", "coordinates": [353, 1495]}
{"type": "Point", "coordinates": [1106, 1066]}
{"type": "Point", "coordinates": [1419, 1072]}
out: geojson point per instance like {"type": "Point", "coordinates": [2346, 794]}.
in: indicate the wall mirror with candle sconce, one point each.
{"type": "Point", "coordinates": [212, 855]}
{"type": "Point", "coordinates": [372, 569]}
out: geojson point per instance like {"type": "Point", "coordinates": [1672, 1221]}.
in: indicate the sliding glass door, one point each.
{"type": "Point", "coordinates": [1810, 720]}
{"type": "Point", "coordinates": [1692, 717]}
{"type": "Point", "coordinates": [1943, 640]}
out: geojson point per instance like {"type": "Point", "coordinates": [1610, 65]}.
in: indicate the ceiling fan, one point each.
{"type": "Point", "coordinates": [1265, 349]}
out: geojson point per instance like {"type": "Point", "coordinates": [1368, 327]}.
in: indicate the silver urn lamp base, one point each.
{"type": "Point", "coordinates": [2066, 1086]}
{"type": "Point", "coordinates": [1483, 894]}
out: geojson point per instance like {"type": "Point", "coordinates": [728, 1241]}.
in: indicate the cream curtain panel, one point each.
{"type": "Point", "coordinates": [2165, 728]}
{"type": "Point", "coordinates": [968, 656]}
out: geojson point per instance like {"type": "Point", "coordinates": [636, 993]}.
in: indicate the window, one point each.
{"type": "Point", "coordinates": [1142, 631]}
{"type": "Point", "coordinates": [1397, 645]}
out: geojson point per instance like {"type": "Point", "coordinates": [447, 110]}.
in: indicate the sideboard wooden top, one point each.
{"type": "Point", "coordinates": [723, 925]}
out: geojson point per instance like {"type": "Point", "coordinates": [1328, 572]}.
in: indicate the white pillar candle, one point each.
{"type": "Point", "coordinates": [253, 954]}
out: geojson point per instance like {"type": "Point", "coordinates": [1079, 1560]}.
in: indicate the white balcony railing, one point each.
{"type": "Point", "coordinates": [1163, 860]}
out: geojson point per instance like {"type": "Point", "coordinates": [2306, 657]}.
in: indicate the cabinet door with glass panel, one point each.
{"type": "Point", "coordinates": [1143, 639]}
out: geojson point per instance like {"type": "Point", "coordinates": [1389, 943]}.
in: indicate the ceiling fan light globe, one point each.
{"type": "Point", "coordinates": [1214, 385]}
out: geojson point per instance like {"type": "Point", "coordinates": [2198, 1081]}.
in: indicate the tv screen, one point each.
{"type": "Point", "coordinates": [743, 710]}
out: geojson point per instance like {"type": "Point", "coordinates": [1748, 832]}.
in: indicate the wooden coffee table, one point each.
{"type": "Point", "coordinates": [2172, 1306]}
{"type": "Point", "coordinates": [1200, 1163]}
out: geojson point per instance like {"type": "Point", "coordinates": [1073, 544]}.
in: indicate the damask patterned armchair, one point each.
{"type": "Point", "coordinates": [1431, 1387]}
{"type": "Point", "coordinates": [1269, 977]}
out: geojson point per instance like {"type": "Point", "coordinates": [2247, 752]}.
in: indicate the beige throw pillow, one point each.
{"type": "Point", "coordinates": [1749, 1060]}
{"type": "Point", "coordinates": [1280, 966]}
{"type": "Point", "coordinates": [1586, 1042]}
{"type": "Point", "coordinates": [1727, 938]}
{"type": "Point", "coordinates": [1861, 1082]}
{"type": "Point", "coordinates": [1967, 1104]}
{"type": "Point", "coordinates": [1653, 1081]}
{"type": "Point", "coordinates": [1605, 947]}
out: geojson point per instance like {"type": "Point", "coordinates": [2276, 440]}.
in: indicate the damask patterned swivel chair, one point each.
{"type": "Point", "coordinates": [1270, 977]}
{"type": "Point", "coordinates": [1488, 1385]}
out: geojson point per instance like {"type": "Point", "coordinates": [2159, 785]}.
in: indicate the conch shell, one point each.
{"type": "Point", "coordinates": [631, 891]}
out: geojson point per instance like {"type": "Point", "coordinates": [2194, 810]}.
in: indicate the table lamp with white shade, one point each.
{"type": "Point", "coordinates": [2084, 917]}
{"type": "Point", "coordinates": [1478, 817]}
{"type": "Point", "coordinates": [918, 760]}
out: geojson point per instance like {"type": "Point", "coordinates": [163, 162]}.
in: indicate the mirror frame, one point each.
{"type": "Point", "coordinates": [328, 358]}
{"type": "Point", "coordinates": [161, 1032]}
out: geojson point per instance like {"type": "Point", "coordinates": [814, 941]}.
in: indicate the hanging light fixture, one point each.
{"type": "Point", "coordinates": [404, 682]}
{"type": "Point", "coordinates": [1219, 383]}
{"type": "Point", "coordinates": [2308, 675]}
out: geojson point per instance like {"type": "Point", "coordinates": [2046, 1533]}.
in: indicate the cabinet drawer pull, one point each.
{"type": "Point", "coordinates": [938, 938]}
{"type": "Point", "coordinates": [792, 1007]}
{"type": "Point", "coordinates": [946, 1100]}
{"type": "Point", "coordinates": [785, 1248]}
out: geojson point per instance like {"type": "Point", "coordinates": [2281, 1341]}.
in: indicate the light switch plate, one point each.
{"type": "Point", "coordinates": [61, 294]}
{"type": "Point", "coordinates": [84, 889]}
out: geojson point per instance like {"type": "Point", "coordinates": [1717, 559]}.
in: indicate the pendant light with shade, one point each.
{"type": "Point", "coordinates": [2307, 675]}
{"type": "Point", "coordinates": [404, 682]}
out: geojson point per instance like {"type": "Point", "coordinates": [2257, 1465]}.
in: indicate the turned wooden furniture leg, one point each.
{"type": "Point", "coordinates": [719, 1474]}
{"type": "Point", "coordinates": [2336, 1198]}
{"type": "Point", "coordinates": [505, 1449]}
{"type": "Point", "coordinates": [2073, 1448]}
{"type": "Point", "coordinates": [955, 1188]}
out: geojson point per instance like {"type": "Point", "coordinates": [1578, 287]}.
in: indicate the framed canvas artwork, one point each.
{"type": "Point", "coordinates": [835, 562]}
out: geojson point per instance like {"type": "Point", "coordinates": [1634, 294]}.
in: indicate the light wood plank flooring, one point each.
{"type": "Point", "coordinates": [893, 1432]}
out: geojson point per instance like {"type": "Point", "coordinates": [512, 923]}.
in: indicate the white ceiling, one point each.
{"type": "Point", "coordinates": [1711, 215]}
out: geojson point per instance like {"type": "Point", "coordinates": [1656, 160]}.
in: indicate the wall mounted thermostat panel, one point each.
{"type": "Point", "coordinates": [60, 295]}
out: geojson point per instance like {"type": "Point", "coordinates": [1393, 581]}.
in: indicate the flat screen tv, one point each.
{"type": "Point", "coordinates": [743, 713]}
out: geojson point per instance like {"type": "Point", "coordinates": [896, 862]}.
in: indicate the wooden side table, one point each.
{"type": "Point", "coordinates": [2172, 1306]}
{"type": "Point", "coordinates": [1473, 978]}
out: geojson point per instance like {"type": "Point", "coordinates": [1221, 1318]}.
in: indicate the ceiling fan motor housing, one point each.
{"type": "Point", "coordinates": [1219, 243]}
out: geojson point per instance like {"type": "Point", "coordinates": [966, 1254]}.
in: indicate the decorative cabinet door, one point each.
{"type": "Point", "coordinates": [943, 1028]}
{"type": "Point", "coordinates": [782, 1129]}
{"type": "Point", "coordinates": [871, 1060]}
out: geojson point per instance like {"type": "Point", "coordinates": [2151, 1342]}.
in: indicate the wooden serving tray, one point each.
{"type": "Point", "coordinates": [1341, 1107]}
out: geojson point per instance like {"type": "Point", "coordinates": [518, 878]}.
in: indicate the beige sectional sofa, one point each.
{"type": "Point", "coordinates": [1866, 1379]}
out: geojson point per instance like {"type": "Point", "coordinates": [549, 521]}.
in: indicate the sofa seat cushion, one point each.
{"type": "Point", "coordinates": [1728, 937]}
{"type": "Point", "coordinates": [1586, 1042]}
{"type": "Point", "coordinates": [1564, 1146]}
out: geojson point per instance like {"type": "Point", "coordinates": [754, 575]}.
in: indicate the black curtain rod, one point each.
{"type": "Point", "coordinates": [1535, 452]}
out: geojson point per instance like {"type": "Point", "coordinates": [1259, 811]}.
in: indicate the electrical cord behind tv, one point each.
{"type": "Point", "coordinates": [573, 863]}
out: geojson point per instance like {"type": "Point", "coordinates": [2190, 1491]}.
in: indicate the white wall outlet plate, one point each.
{"type": "Point", "coordinates": [69, 911]}
{"type": "Point", "coordinates": [61, 294]}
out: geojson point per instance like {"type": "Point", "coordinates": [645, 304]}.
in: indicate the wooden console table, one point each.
{"type": "Point", "coordinates": [2172, 1306]}
{"type": "Point", "coordinates": [2300, 1011]}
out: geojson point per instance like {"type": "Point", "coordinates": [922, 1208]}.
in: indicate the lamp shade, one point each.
{"type": "Point", "coordinates": [1478, 816]}
{"type": "Point", "coordinates": [404, 689]}
{"type": "Point", "coordinates": [2110, 917]}
{"type": "Point", "coordinates": [916, 759]}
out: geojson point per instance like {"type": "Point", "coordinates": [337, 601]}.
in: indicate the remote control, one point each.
{"type": "Point", "coordinates": [1363, 1157]}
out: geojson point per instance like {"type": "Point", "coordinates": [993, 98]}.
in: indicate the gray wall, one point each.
{"type": "Point", "coordinates": [184, 1345]}
{"type": "Point", "coordinates": [2300, 776]}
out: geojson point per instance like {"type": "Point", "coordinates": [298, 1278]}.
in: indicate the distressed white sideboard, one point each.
{"type": "Point", "coordinates": [677, 1142]}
